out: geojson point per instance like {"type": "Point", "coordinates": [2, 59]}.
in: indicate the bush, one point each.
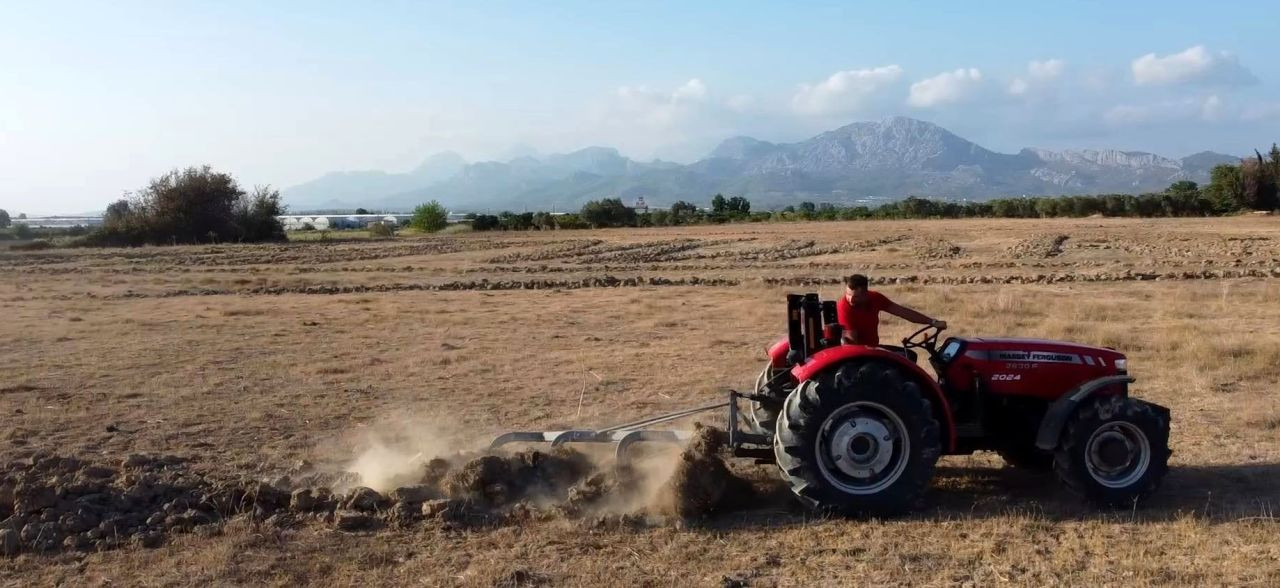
{"type": "Point", "coordinates": [22, 231]}
{"type": "Point", "coordinates": [381, 229]}
{"type": "Point", "coordinates": [485, 222]}
{"type": "Point", "coordinates": [610, 212]}
{"type": "Point", "coordinates": [429, 217]}
{"type": "Point", "coordinates": [37, 245]}
{"type": "Point", "coordinates": [4, 218]}
{"type": "Point", "coordinates": [195, 205]}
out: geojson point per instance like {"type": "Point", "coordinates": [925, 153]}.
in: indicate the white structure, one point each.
{"type": "Point", "coordinates": [339, 221]}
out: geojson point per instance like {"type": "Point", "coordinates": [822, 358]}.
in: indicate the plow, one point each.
{"type": "Point", "coordinates": [858, 430]}
{"type": "Point", "coordinates": [627, 435]}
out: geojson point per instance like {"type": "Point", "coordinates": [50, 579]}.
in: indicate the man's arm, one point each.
{"type": "Point", "coordinates": [914, 316]}
{"type": "Point", "coordinates": [847, 334]}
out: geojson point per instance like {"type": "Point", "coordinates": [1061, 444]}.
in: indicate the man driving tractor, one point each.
{"type": "Point", "coordinates": [858, 312]}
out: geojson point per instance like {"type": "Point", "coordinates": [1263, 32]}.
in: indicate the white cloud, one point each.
{"type": "Point", "coordinates": [946, 87]}
{"type": "Point", "coordinates": [1261, 112]}
{"type": "Point", "coordinates": [658, 107]}
{"type": "Point", "coordinates": [1188, 109]}
{"type": "Point", "coordinates": [740, 103]}
{"type": "Point", "coordinates": [1046, 70]}
{"type": "Point", "coordinates": [844, 92]}
{"type": "Point", "coordinates": [1195, 65]}
{"type": "Point", "coordinates": [1211, 109]}
{"type": "Point", "coordinates": [1039, 73]}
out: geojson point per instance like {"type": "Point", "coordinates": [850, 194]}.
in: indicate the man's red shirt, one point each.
{"type": "Point", "coordinates": [863, 320]}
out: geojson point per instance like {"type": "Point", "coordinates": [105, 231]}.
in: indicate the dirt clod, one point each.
{"type": "Point", "coordinates": [700, 480]}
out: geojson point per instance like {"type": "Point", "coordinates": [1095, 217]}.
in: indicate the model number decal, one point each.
{"type": "Point", "coordinates": [1006, 377]}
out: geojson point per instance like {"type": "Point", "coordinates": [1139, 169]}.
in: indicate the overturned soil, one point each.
{"type": "Point", "coordinates": [51, 503]}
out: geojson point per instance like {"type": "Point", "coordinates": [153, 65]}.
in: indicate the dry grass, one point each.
{"type": "Point", "coordinates": [250, 383]}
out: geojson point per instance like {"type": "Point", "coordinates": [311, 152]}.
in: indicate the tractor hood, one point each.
{"type": "Point", "coordinates": [1039, 350]}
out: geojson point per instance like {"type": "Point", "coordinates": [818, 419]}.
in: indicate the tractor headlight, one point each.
{"type": "Point", "coordinates": [1122, 365]}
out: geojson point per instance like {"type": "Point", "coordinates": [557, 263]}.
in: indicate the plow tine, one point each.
{"type": "Point", "coordinates": [626, 440]}
{"type": "Point", "coordinates": [580, 436]}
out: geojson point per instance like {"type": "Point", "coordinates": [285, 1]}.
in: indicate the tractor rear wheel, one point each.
{"type": "Point", "coordinates": [764, 413]}
{"type": "Point", "coordinates": [1115, 451]}
{"type": "Point", "coordinates": [860, 439]}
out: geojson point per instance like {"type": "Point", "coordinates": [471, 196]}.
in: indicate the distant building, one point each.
{"type": "Point", "coordinates": [641, 207]}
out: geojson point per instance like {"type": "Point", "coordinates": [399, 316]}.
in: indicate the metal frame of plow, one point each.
{"type": "Point", "coordinates": [626, 434]}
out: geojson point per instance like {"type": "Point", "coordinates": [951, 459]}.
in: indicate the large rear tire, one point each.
{"type": "Point", "coordinates": [1115, 451]}
{"type": "Point", "coordinates": [763, 414]}
{"type": "Point", "coordinates": [860, 439]}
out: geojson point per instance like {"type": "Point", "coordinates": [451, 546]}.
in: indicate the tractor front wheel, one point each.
{"type": "Point", "coordinates": [861, 440]}
{"type": "Point", "coordinates": [1115, 451]}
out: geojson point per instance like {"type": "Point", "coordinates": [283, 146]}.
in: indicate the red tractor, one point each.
{"type": "Point", "coordinates": [858, 429]}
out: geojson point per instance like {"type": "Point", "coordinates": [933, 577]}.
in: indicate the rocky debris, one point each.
{"type": "Point", "coordinates": [1039, 246]}
{"type": "Point", "coordinates": [493, 480]}
{"type": "Point", "coordinates": [572, 248]}
{"type": "Point", "coordinates": [365, 500]}
{"type": "Point", "coordinates": [347, 520]}
{"type": "Point", "coordinates": [702, 482]}
{"type": "Point", "coordinates": [416, 494]}
{"type": "Point", "coordinates": [937, 249]}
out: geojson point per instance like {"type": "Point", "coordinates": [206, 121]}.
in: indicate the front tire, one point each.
{"type": "Point", "coordinates": [860, 439]}
{"type": "Point", "coordinates": [1115, 451]}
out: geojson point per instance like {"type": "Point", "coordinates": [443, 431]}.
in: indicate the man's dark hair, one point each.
{"type": "Point", "coordinates": [857, 282]}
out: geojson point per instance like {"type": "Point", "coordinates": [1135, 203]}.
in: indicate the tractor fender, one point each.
{"type": "Point", "coordinates": [1055, 418]}
{"type": "Point", "coordinates": [778, 353]}
{"type": "Point", "coordinates": [832, 356]}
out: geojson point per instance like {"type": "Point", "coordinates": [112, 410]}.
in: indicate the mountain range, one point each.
{"type": "Point", "coordinates": [880, 160]}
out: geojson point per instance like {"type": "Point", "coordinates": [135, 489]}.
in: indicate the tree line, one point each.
{"type": "Point", "coordinates": [1250, 185]}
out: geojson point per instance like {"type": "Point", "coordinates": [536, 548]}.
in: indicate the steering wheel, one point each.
{"type": "Point", "coordinates": [924, 339]}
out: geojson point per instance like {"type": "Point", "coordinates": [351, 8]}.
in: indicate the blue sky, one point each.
{"type": "Point", "coordinates": [97, 97]}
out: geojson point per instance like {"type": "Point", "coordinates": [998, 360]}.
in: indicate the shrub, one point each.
{"type": "Point", "coordinates": [429, 217]}
{"type": "Point", "coordinates": [382, 229]}
{"type": "Point", "coordinates": [22, 231]}
{"type": "Point", "coordinates": [37, 245]}
{"type": "Point", "coordinates": [195, 205]}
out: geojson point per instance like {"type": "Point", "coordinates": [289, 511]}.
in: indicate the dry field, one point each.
{"type": "Point", "coordinates": [248, 360]}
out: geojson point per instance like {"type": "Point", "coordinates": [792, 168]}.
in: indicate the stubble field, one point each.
{"type": "Point", "coordinates": [262, 361]}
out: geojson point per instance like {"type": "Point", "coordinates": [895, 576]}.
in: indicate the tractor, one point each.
{"type": "Point", "coordinates": [858, 430]}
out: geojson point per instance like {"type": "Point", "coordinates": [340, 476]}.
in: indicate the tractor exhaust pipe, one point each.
{"type": "Point", "coordinates": [795, 330]}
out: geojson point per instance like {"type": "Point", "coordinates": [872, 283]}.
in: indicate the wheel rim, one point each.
{"type": "Point", "coordinates": [1117, 454]}
{"type": "Point", "coordinates": [862, 448]}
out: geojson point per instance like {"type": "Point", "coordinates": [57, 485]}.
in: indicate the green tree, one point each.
{"type": "Point", "coordinates": [429, 217]}
{"type": "Point", "coordinates": [22, 231]}
{"type": "Point", "coordinates": [718, 203]}
{"type": "Point", "coordinates": [1226, 188]}
{"type": "Point", "coordinates": [683, 212]}
{"type": "Point", "coordinates": [485, 222]}
{"type": "Point", "coordinates": [1258, 184]}
{"type": "Point", "coordinates": [194, 205]}
{"type": "Point", "coordinates": [739, 205]}
{"type": "Point", "coordinates": [361, 211]}
{"type": "Point", "coordinates": [609, 212]}
{"type": "Point", "coordinates": [4, 219]}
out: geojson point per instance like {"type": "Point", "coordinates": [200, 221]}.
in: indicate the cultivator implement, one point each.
{"type": "Point", "coordinates": [628, 435]}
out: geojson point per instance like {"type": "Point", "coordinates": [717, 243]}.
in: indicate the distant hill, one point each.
{"type": "Point", "coordinates": [891, 158]}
